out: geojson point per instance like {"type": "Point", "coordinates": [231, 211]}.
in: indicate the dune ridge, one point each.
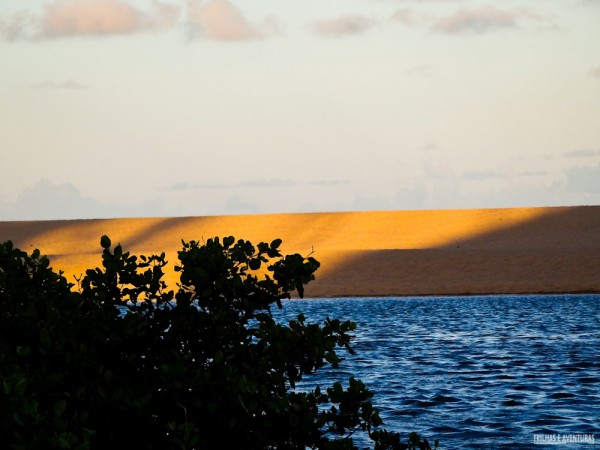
{"type": "Point", "coordinates": [380, 253]}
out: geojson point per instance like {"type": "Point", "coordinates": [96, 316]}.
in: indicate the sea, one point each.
{"type": "Point", "coordinates": [475, 372]}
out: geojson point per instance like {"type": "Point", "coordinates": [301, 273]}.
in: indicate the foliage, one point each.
{"type": "Point", "coordinates": [122, 362]}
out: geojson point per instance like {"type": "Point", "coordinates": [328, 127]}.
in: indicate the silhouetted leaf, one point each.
{"type": "Point", "coordinates": [105, 242]}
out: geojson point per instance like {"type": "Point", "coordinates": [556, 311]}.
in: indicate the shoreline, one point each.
{"type": "Point", "coordinates": [469, 252]}
{"type": "Point", "coordinates": [409, 296]}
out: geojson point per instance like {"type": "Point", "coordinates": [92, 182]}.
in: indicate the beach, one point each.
{"type": "Point", "coordinates": [378, 253]}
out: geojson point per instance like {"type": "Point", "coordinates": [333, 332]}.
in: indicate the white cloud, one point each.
{"type": "Point", "coordinates": [429, 147]}
{"type": "Point", "coordinates": [66, 18]}
{"type": "Point", "coordinates": [48, 201]}
{"type": "Point", "coordinates": [423, 70]}
{"type": "Point", "coordinates": [343, 25]}
{"type": "Point", "coordinates": [405, 16]}
{"type": "Point", "coordinates": [481, 20]}
{"type": "Point", "coordinates": [16, 26]}
{"type": "Point", "coordinates": [236, 205]}
{"type": "Point", "coordinates": [221, 20]}
{"type": "Point", "coordinates": [595, 72]}
{"type": "Point", "coordinates": [582, 153]}
{"type": "Point", "coordinates": [584, 179]}
{"type": "Point", "coordinates": [416, 197]}
{"type": "Point", "coordinates": [479, 175]}
{"type": "Point", "coordinates": [67, 84]}
{"type": "Point", "coordinates": [278, 183]}
{"type": "Point", "coordinates": [533, 173]}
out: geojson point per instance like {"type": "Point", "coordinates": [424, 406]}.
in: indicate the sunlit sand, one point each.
{"type": "Point", "coordinates": [522, 250]}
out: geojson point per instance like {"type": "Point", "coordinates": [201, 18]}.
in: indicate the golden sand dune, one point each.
{"type": "Point", "coordinates": [521, 250]}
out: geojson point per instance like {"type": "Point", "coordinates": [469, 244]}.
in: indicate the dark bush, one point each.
{"type": "Point", "coordinates": [122, 362]}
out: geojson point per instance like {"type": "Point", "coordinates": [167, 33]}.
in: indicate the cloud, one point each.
{"type": "Point", "coordinates": [253, 184]}
{"type": "Point", "coordinates": [534, 173]}
{"type": "Point", "coordinates": [223, 21]}
{"type": "Point", "coordinates": [183, 186]}
{"type": "Point", "coordinates": [270, 183]}
{"type": "Point", "coordinates": [67, 18]}
{"type": "Point", "coordinates": [429, 147]}
{"type": "Point", "coordinates": [236, 205]}
{"type": "Point", "coordinates": [412, 198]}
{"type": "Point", "coordinates": [423, 71]}
{"type": "Point", "coordinates": [479, 175]}
{"type": "Point", "coordinates": [343, 25]}
{"type": "Point", "coordinates": [583, 179]}
{"type": "Point", "coordinates": [405, 16]}
{"type": "Point", "coordinates": [582, 153]}
{"type": "Point", "coordinates": [48, 201]}
{"type": "Point", "coordinates": [177, 187]}
{"type": "Point", "coordinates": [595, 72]}
{"type": "Point", "coordinates": [67, 84]}
{"type": "Point", "coordinates": [101, 17]}
{"type": "Point", "coordinates": [481, 20]}
{"type": "Point", "coordinates": [16, 26]}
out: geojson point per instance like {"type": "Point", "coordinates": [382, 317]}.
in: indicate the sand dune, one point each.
{"type": "Point", "coordinates": [522, 250]}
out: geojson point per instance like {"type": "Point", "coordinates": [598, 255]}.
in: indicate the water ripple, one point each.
{"type": "Point", "coordinates": [475, 372]}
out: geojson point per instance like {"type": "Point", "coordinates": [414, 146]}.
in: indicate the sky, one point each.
{"type": "Point", "coordinates": [148, 108]}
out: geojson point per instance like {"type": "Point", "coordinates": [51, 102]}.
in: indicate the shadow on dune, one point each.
{"type": "Point", "coordinates": [549, 250]}
{"type": "Point", "coordinates": [83, 236]}
{"type": "Point", "coordinates": [556, 252]}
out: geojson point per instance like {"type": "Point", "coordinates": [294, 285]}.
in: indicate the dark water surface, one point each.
{"type": "Point", "coordinates": [475, 372]}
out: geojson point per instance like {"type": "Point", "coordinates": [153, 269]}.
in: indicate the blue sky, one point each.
{"type": "Point", "coordinates": [123, 108]}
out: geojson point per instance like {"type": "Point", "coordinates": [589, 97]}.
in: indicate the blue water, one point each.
{"type": "Point", "coordinates": [474, 372]}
